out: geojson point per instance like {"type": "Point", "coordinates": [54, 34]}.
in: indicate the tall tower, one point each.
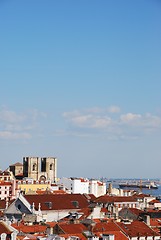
{"type": "Point", "coordinates": [40, 168]}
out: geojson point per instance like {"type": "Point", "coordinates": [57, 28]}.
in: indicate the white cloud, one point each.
{"type": "Point", "coordinates": [14, 125]}
{"type": "Point", "coordinates": [114, 109]}
{"type": "Point", "coordinates": [101, 122]}
{"type": "Point", "coordinates": [152, 121]}
{"type": "Point", "coordinates": [13, 135]}
{"type": "Point", "coordinates": [139, 120]}
{"type": "Point", "coordinates": [11, 117]}
{"type": "Point", "coordinates": [130, 118]}
{"type": "Point", "coordinates": [130, 125]}
{"type": "Point", "coordinates": [80, 119]}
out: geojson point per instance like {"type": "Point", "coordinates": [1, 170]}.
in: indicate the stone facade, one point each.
{"type": "Point", "coordinates": [40, 168]}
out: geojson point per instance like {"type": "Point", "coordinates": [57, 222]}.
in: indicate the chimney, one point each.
{"type": "Point", "coordinates": [110, 188]}
{"type": "Point", "coordinates": [147, 220]}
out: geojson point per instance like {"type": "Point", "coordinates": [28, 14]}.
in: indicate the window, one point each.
{"type": "Point", "coordinates": [19, 206]}
{"type": "Point", "coordinates": [34, 167]}
{"type": "Point", "coordinates": [43, 165]}
{"type": "Point", "coordinates": [75, 204]}
{"type": "Point", "coordinates": [51, 166]}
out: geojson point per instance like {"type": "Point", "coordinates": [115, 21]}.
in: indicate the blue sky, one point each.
{"type": "Point", "coordinates": [81, 81]}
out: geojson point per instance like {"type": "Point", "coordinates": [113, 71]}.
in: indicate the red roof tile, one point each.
{"type": "Point", "coordinates": [109, 228]}
{"type": "Point", "coordinates": [79, 235]}
{"type": "Point", "coordinates": [105, 226]}
{"type": "Point", "coordinates": [85, 212]}
{"type": "Point", "coordinates": [58, 201]}
{"type": "Point", "coordinates": [118, 235]}
{"type": "Point", "coordinates": [135, 211]}
{"type": "Point", "coordinates": [154, 201]}
{"type": "Point", "coordinates": [4, 228]}
{"type": "Point", "coordinates": [72, 228]}
{"type": "Point", "coordinates": [30, 228]}
{"type": "Point", "coordinates": [3, 183]}
{"type": "Point", "coordinates": [112, 199]}
{"type": "Point", "coordinates": [155, 222]}
{"type": "Point", "coordinates": [137, 228]}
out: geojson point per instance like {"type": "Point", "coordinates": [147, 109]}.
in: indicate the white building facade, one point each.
{"type": "Point", "coordinates": [83, 186]}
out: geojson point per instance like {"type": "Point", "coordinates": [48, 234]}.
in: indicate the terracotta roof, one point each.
{"type": "Point", "coordinates": [137, 228]}
{"type": "Point", "coordinates": [155, 222]}
{"type": "Point", "coordinates": [118, 235]}
{"type": "Point", "coordinates": [59, 192]}
{"type": "Point", "coordinates": [79, 235]}
{"type": "Point", "coordinates": [154, 201]}
{"type": "Point", "coordinates": [43, 192]}
{"type": "Point", "coordinates": [30, 228]}
{"type": "Point", "coordinates": [141, 195]}
{"type": "Point", "coordinates": [85, 212]}
{"type": "Point", "coordinates": [135, 211]}
{"type": "Point", "coordinates": [152, 211]}
{"type": "Point", "coordinates": [90, 197]}
{"type": "Point", "coordinates": [51, 224]}
{"type": "Point", "coordinates": [16, 164]}
{"type": "Point", "coordinates": [84, 180]}
{"type": "Point", "coordinates": [58, 201]}
{"type": "Point", "coordinates": [108, 228]}
{"type": "Point", "coordinates": [4, 228]}
{"type": "Point", "coordinates": [100, 183]}
{"type": "Point", "coordinates": [3, 183]}
{"type": "Point", "coordinates": [72, 228]}
{"type": "Point", "coordinates": [112, 199]}
{"type": "Point", "coordinates": [104, 210]}
{"type": "Point", "coordinates": [105, 226]}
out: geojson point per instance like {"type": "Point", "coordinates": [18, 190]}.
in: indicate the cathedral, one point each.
{"type": "Point", "coordinates": [40, 168]}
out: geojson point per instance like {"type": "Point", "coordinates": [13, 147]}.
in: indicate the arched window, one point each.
{"type": "Point", "coordinates": [34, 167]}
{"type": "Point", "coordinates": [51, 166]}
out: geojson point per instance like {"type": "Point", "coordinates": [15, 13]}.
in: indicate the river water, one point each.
{"type": "Point", "coordinates": [153, 192]}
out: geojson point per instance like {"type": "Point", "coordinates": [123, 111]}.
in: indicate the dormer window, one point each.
{"type": "Point", "coordinates": [19, 207]}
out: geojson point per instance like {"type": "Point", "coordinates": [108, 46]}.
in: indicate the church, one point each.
{"type": "Point", "coordinates": [40, 168]}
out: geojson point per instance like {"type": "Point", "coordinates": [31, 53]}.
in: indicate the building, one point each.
{"type": "Point", "coordinates": [40, 168]}
{"type": "Point", "coordinates": [29, 186]}
{"type": "Point", "coordinates": [84, 185]}
{"type": "Point", "coordinates": [8, 190]}
{"type": "Point", "coordinates": [6, 176]}
{"type": "Point", "coordinates": [75, 185]}
{"type": "Point", "coordinates": [17, 170]}
{"type": "Point", "coordinates": [97, 188]}
{"type": "Point", "coordinates": [138, 230]}
{"type": "Point", "coordinates": [5, 189]}
{"type": "Point", "coordinates": [45, 207]}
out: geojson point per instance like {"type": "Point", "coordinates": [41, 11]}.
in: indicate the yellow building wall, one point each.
{"type": "Point", "coordinates": [32, 188]}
